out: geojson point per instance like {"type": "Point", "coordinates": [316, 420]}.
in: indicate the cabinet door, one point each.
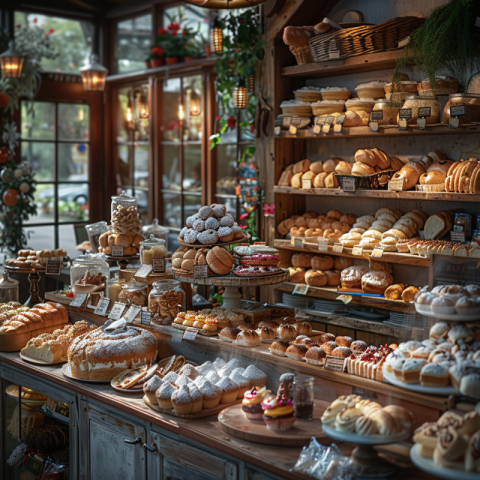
{"type": "Point", "coordinates": [104, 452]}
{"type": "Point", "coordinates": [180, 461]}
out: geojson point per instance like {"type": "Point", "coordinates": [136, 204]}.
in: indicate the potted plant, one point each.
{"type": "Point", "coordinates": [156, 57]}
{"type": "Point", "coordinates": [148, 61]}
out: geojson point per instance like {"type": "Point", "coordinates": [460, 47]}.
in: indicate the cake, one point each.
{"type": "Point", "coordinates": [100, 355]}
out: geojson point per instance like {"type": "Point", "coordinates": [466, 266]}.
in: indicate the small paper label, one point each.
{"type": "Point", "coordinates": [421, 123]}
{"type": "Point", "coordinates": [457, 237]}
{"type": "Point", "coordinates": [337, 248]}
{"type": "Point", "coordinates": [457, 110]}
{"type": "Point", "coordinates": [79, 300]}
{"type": "Point", "coordinates": [102, 306]}
{"type": "Point", "coordinates": [323, 244]}
{"type": "Point", "coordinates": [298, 242]}
{"type": "Point", "coordinates": [200, 271]}
{"type": "Point", "coordinates": [395, 185]}
{"type": "Point", "coordinates": [357, 250]}
{"type": "Point", "coordinates": [306, 184]}
{"type": "Point", "coordinates": [292, 130]}
{"type": "Point", "coordinates": [190, 333]}
{"type": "Point", "coordinates": [177, 335]}
{"type": "Point", "coordinates": [349, 184]}
{"type": "Point", "coordinates": [132, 313]}
{"type": "Point", "coordinates": [377, 252]}
{"type": "Point", "coordinates": [424, 112]}
{"type": "Point", "coordinates": [334, 54]}
{"type": "Point", "coordinates": [373, 126]}
{"type": "Point", "coordinates": [117, 311]}
{"type": "Point", "coordinates": [146, 317]}
{"type": "Point", "coordinates": [337, 128]}
{"type": "Point", "coordinates": [377, 115]}
{"type": "Point", "coordinates": [158, 265]}
{"type": "Point", "coordinates": [54, 266]}
{"type": "Point", "coordinates": [143, 271]}
{"type": "Point", "coordinates": [405, 113]}
{"type": "Point", "coordinates": [335, 363]}
{"type": "Point", "coordinates": [316, 129]}
{"type": "Point", "coordinates": [300, 289]}
{"type": "Point", "coordinates": [117, 251]}
{"type": "Point", "coordinates": [326, 128]}
{"type": "Point", "coordinates": [276, 132]}
{"type": "Point", "coordinates": [330, 120]}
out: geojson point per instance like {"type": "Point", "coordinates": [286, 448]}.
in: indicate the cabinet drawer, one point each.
{"type": "Point", "coordinates": [213, 467]}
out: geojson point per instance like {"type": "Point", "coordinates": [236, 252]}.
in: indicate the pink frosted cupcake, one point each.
{"type": "Point", "coordinates": [279, 414]}
{"type": "Point", "coordinates": [252, 403]}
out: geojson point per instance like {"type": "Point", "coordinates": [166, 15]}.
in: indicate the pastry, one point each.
{"type": "Point", "coordinates": [287, 332]}
{"type": "Point", "coordinates": [164, 395]}
{"type": "Point", "coordinates": [256, 376]}
{"type": "Point", "coordinates": [375, 282]}
{"type": "Point", "coordinates": [351, 277]}
{"type": "Point", "coordinates": [242, 382]}
{"type": "Point", "coordinates": [296, 352]}
{"type": "Point", "coordinates": [279, 347]}
{"type": "Point", "coordinates": [252, 403]}
{"type": "Point", "coordinates": [279, 413]}
{"type": "Point", "coordinates": [315, 356]}
{"type": "Point", "coordinates": [248, 338]}
{"type": "Point", "coordinates": [229, 390]}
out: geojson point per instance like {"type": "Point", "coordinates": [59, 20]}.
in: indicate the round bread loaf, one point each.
{"type": "Point", "coordinates": [333, 277]}
{"type": "Point", "coordinates": [360, 169]}
{"type": "Point", "coordinates": [376, 282]}
{"type": "Point", "coordinates": [342, 262]}
{"type": "Point", "coordinates": [302, 260]}
{"type": "Point", "coordinates": [433, 177]}
{"type": "Point", "coordinates": [219, 260]}
{"type": "Point", "coordinates": [351, 277]}
{"type": "Point", "coordinates": [366, 157]}
{"type": "Point", "coordinates": [315, 278]}
{"type": "Point", "coordinates": [322, 262]}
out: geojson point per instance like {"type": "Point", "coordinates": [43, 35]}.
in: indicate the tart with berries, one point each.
{"type": "Point", "coordinates": [260, 259]}
{"type": "Point", "coordinates": [254, 271]}
{"type": "Point", "coordinates": [369, 363]}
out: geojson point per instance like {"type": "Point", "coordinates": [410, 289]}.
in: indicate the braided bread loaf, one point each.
{"type": "Point", "coordinates": [42, 316]}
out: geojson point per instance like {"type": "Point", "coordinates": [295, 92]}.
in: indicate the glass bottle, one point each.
{"type": "Point", "coordinates": [303, 397]}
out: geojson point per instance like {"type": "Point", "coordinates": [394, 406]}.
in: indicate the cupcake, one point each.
{"type": "Point", "coordinates": [279, 414]}
{"type": "Point", "coordinates": [252, 403]}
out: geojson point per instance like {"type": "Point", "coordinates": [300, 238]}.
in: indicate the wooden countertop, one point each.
{"type": "Point", "coordinates": [276, 460]}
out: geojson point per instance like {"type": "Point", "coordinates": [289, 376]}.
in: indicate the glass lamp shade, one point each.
{"type": "Point", "coordinates": [216, 39]}
{"type": "Point", "coordinates": [225, 4]}
{"type": "Point", "coordinates": [141, 99]}
{"type": "Point", "coordinates": [11, 62]}
{"type": "Point", "coordinates": [240, 96]}
{"type": "Point", "coordinates": [93, 75]}
{"type": "Point", "coordinates": [194, 104]}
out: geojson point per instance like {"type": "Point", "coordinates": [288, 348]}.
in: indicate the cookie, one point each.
{"type": "Point", "coordinates": [205, 212]}
{"type": "Point", "coordinates": [208, 237]}
{"type": "Point", "coordinates": [212, 223]}
{"type": "Point", "coordinates": [199, 225]}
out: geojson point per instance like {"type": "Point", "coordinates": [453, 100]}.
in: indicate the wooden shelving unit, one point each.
{"type": "Point", "coordinates": [387, 131]}
{"type": "Point", "coordinates": [360, 63]}
{"type": "Point", "coordinates": [406, 195]}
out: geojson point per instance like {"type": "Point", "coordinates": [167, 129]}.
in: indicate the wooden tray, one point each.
{"type": "Point", "coordinates": [218, 244]}
{"type": "Point", "coordinates": [202, 413]}
{"type": "Point", "coordinates": [25, 358]}
{"type": "Point", "coordinates": [234, 422]}
{"type": "Point", "coordinates": [13, 342]}
{"type": "Point", "coordinates": [200, 330]}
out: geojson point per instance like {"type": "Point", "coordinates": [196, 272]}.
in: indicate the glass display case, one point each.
{"type": "Point", "coordinates": [89, 274]}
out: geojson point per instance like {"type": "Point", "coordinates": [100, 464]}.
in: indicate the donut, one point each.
{"type": "Point", "coordinates": [190, 220]}
{"type": "Point", "coordinates": [182, 232]}
{"type": "Point", "coordinates": [218, 210]}
{"type": "Point", "coordinates": [227, 221]}
{"type": "Point", "coordinates": [190, 236]}
{"type": "Point", "coordinates": [212, 223]}
{"type": "Point", "coordinates": [205, 212]}
{"type": "Point", "coordinates": [237, 232]}
{"type": "Point", "coordinates": [208, 237]}
{"type": "Point", "coordinates": [225, 234]}
{"type": "Point", "coordinates": [199, 225]}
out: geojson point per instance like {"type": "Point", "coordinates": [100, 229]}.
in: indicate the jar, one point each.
{"type": "Point", "coordinates": [390, 111]}
{"type": "Point", "coordinates": [8, 288]}
{"type": "Point", "coordinates": [166, 300]}
{"type": "Point", "coordinates": [303, 396]}
{"type": "Point", "coordinates": [415, 102]}
{"type": "Point", "coordinates": [94, 231]}
{"type": "Point", "coordinates": [157, 231]}
{"type": "Point", "coordinates": [151, 249]}
{"type": "Point", "coordinates": [89, 273]}
{"type": "Point", "coordinates": [472, 107]}
{"type": "Point", "coordinates": [134, 293]}
{"type": "Point", "coordinates": [124, 200]}
{"type": "Point", "coordinates": [114, 287]}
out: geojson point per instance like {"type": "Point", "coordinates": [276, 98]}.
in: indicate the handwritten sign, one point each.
{"type": "Point", "coordinates": [357, 250]}
{"type": "Point", "coordinates": [146, 317]}
{"type": "Point", "coordinates": [306, 184]}
{"type": "Point", "coordinates": [337, 248]}
{"type": "Point", "coordinates": [117, 311]}
{"type": "Point", "coordinates": [158, 265]}
{"type": "Point", "coordinates": [349, 184]}
{"type": "Point", "coordinates": [54, 266]}
{"type": "Point", "coordinates": [144, 271]}
{"type": "Point", "coordinates": [335, 363]}
{"type": "Point", "coordinates": [190, 334]}
{"type": "Point", "coordinates": [132, 313]}
{"type": "Point", "coordinates": [396, 185]}
{"type": "Point", "coordinates": [79, 300]}
{"type": "Point", "coordinates": [448, 270]}
{"type": "Point", "coordinates": [200, 271]}
{"type": "Point", "coordinates": [377, 252]}
{"type": "Point", "coordinates": [117, 251]}
{"type": "Point", "coordinates": [323, 244]}
{"type": "Point", "coordinates": [102, 306]}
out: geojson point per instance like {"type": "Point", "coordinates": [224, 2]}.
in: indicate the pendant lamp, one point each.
{"type": "Point", "coordinates": [93, 75]}
{"type": "Point", "coordinates": [11, 62]}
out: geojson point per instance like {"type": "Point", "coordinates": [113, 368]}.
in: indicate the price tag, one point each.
{"type": "Point", "coordinates": [143, 271]}
{"type": "Point", "coordinates": [337, 248]}
{"type": "Point", "coordinates": [292, 130]}
{"type": "Point", "coordinates": [300, 289]}
{"type": "Point", "coordinates": [190, 333]}
{"type": "Point", "coordinates": [373, 126]}
{"type": "Point", "coordinates": [395, 185]}
{"type": "Point", "coordinates": [117, 251]}
{"type": "Point", "coordinates": [357, 250]}
{"type": "Point", "coordinates": [132, 313]}
{"type": "Point", "coordinates": [102, 307]}
{"type": "Point", "coordinates": [402, 124]}
{"type": "Point", "coordinates": [323, 244]}
{"type": "Point", "coordinates": [79, 300]}
{"type": "Point", "coordinates": [177, 335]}
{"type": "Point", "coordinates": [377, 252]}
{"type": "Point", "coordinates": [376, 115]}
{"type": "Point", "coordinates": [334, 54]}
{"type": "Point", "coordinates": [146, 317]}
{"type": "Point", "coordinates": [54, 266]}
{"type": "Point", "coordinates": [316, 129]}
{"type": "Point", "coordinates": [335, 363]}
{"type": "Point", "coordinates": [457, 236]}
{"type": "Point", "coordinates": [403, 115]}
{"type": "Point", "coordinates": [276, 133]}
{"type": "Point", "coordinates": [349, 184]}
{"type": "Point", "coordinates": [158, 265]}
{"type": "Point", "coordinates": [457, 110]}
{"type": "Point", "coordinates": [200, 271]}
{"type": "Point", "coordinates": [117, 311]}
{"type": "Point", "coordinates": [298, 242]}
{"type": "Point", "coordinates": [337, 128]}
{"type": "Point", "coordinates": [424, 112]}
{"type": "Point", "coordinates": [306, 184]}
{"type": "Point", "coordinates": [454, 122]}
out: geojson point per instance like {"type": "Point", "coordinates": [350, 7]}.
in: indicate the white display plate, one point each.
{"type": "Point", "coordinates": [68, 373]}
{"type": "Point", "coordinates": [364, 439]}
{"type": "Point", "coordinates": [450, 317]}
{"type": "Point", "coordinates": [389, 377]}
{"type": "Point", "coordinates": [427, 465]}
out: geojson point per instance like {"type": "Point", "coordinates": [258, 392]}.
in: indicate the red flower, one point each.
{"type": "Point", "coordinates": [245, 215]}
{"type": "Point", "coordinates": [18, 26]}
{"type": "Point", "coordinates": [242, 226]}
{"type": "Point", "coordinates": [174, 34]}
{"type": "Point", "coordinates": [51, 31]}
{"type": "Point", "coordinates": [231, 122]}
{"type": "Point", "coordinates": [185, 44]}
{"type": "Point", "coordinates": [252, 128]}
{"type": "Point", "coordinates": [174, 26]}
{"type": "Point", "coordinates": [184, 31]}
{"type": "Point", "coordinates": [157, 51]}
{"type": "Point", "coordinates": [162, 31]}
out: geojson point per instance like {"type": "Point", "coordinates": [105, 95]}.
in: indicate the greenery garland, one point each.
{"type": "Point", "coordinates": [448, 41]}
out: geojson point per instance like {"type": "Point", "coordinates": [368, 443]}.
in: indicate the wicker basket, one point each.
{"type": "Point", "coordinates": [297, 110]}
{"type": "Point", "coordinates": [306, 96]}
{"type": "Point", "coordinates": [303, 55]}
{"type": "Point", "coordinates": [365, 39]}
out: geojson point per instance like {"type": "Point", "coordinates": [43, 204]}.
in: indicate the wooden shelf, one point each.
{"type": "Point", "coordinates": [406, 195]}
{"type": "Point", "coordinates": [331, 294]}
{"type": "Point", "coordinates": [389, 257]}
{"type": "Point", "coordinates": [388, 131]}
{"type": "Point", "coordinates": [360, 63]}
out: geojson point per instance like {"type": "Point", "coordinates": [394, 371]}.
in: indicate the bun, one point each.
{"type": "Point", "coordinates": [297, 275]}
{"type": "Point", "coordinates": [296, 36]}
{"type": "Point", "coordinates": [316, 167]}
{"type": "Point", "coordinates": [286, 178]}
{"type": "Point", "coordinates": [319, 181]}
{"type": "Point", "coordinates": [417, 166]}
{"type": "Point", "coordinates": [322, 262]}
{"type": "Point", "coordinates": [376, 282]}
{"type": "Point", "coordinates": [366, 157]}
{"type": "Point", "coordinates": [302, 166]}
{"type": "Point", "coordinates": [333, 277]}
{"type": "Point", "coordinates": [409, 176]}
{"type": "Point", "coordinates": [349, 218]}
{"type": "Point", "coordinates": [302, 260]}
{"type": "Point", "coordinates": [341, 263]}
{"type": "Point", "coordinates": [432, 178]}
{"type": "Point", "coordinates": [351, 277]}
{"type": "Point", "coordinates": [315, 278]}
{"type": "Point", "coordinates": [331, 181]}
{"type": "Point", "coordinates": [344, 168]}
{"type": "Point", "coordinates": [297, 180]}
{"type": "Point", "coordinates": [442, 166]}
{"type": "Point", "coordinates": [248, 338]}
{"type": "Point", "coordinates": [362, 169]}
{"type": "Point", "coordinates": [219, 260]}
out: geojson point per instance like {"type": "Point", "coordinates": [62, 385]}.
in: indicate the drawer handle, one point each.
{"type": "Point", "coordinates": [133, 442]}
{"type": "Point", "coordinates": [151, 448]}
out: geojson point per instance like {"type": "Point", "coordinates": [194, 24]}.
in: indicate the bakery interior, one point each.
{"type": "Point", "coordinates": [240, 239]}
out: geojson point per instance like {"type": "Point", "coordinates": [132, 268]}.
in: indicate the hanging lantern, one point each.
{"type": "Point", "coordinates": [141, 99]}
{"type": "Point", "coordinates": [216, 39]}
{"type": "Point", "coordinates": [11, 62]}
{"type": "Point", "coordinates": [194, 103]}
{"type": "Point", "coordinates": [225, 4]}
{"type": "Point", "coordinates": [181, 113]}
{"type": "Point", "coordinates": [93, 75]}
{"type": "Point", "coordinates": [251, 83]}
{"type": "Point", "coordinates": [240, 95]}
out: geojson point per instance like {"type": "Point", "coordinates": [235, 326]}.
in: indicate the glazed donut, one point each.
{"type": "Point", "coordinates": [190, 236]}
{"type": "Point", "coordinates": [218, 210]}
{"type": "Point", "coordinates": [212, 223]}
{"type": "Point", "coordinates": [199, 225]}
{"type": "Point", "coordinates": [227, 221]}
{"type": "Point", "coordinates": [208, 237]}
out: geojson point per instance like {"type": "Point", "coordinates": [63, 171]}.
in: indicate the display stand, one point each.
{"type": "Point", "coordinates": [231, 283]}
{"type": "Point", "coordinates": [34, 279]}
{"type": "Point", "coordinates": [122, 262]}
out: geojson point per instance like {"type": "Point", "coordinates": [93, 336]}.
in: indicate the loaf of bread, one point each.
{"type": "Point", "coordinates": [316, 167]}
{"type": "Point", "coordinates": [356, 119]}
{"type": "Point", "coordinates": [297, 36]}
{"type": "Point", "coordinates": [297, 275]}
{"type": "Point", "coordinates": [42, 316]}
{"type": "Point", "coordinates": [53, 347]}
{"type": "Point", "coordinates": [297, 180]}
{"type": "Point", "coordinates": [285, 178]}
{"type": "Point", "coordinates": [302, 260]}
{"type": "Point", "coordinates": [315, 278]}
{"type": "Point", "coordinates": [302, 166]}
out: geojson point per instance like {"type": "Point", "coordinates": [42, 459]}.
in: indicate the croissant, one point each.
{"type": "Point", "coordinates": [297, 231]}
{"type": "Point", "coordinates": [314, 232]}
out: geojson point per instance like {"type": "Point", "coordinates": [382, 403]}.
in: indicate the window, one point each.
{"type": "Point", "coordinates": [133, 41]}
{"type": "Point", "coordinates": [190, 16]}
{"type": "Point", "coordinates": [72, 38]}
{"type": "Point", "coordinates": [55, 140]}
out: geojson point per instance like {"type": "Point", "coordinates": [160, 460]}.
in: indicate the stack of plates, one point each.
{"type": "Point", "coordinates": [296, 301]}
{"type": "Point", "coordinates": [407, 321]}
{"type": "Point", "coordinates": [326, 306]}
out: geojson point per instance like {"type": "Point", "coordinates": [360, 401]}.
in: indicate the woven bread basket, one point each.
{"type": "Point", "coordinates": [303, 55]}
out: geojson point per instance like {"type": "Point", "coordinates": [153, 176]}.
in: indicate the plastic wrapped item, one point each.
{"type": "Point", "coordinates": [310, 456]}
{"type": "Point", "coordinates": [53, 470]}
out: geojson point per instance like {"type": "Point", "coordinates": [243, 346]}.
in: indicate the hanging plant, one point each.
{"type": "Point", "coordinates": [448, 41]}
{"type": "Point", "coordinates": [242, 48]}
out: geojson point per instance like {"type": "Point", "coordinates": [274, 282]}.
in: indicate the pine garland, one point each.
{"type": "Point", "coordinates": [448, 41]}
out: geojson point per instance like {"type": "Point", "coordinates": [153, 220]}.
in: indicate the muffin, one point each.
{"type": "Point", "coordinates": [252, 403]}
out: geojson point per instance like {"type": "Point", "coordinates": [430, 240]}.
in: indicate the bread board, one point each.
{"type": "Point", "coordinates": [234, 422]}
{"type": "Point", "coordinates": [200, 330]}
{"type": "Point", "coordinates": [202, 413]}
{"type": "Point", "coordinates": [218, 244]}
{"type": "Point", "coordinates": [14, 342]}
{"type": "Point", "coordinates": [28, 359]}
